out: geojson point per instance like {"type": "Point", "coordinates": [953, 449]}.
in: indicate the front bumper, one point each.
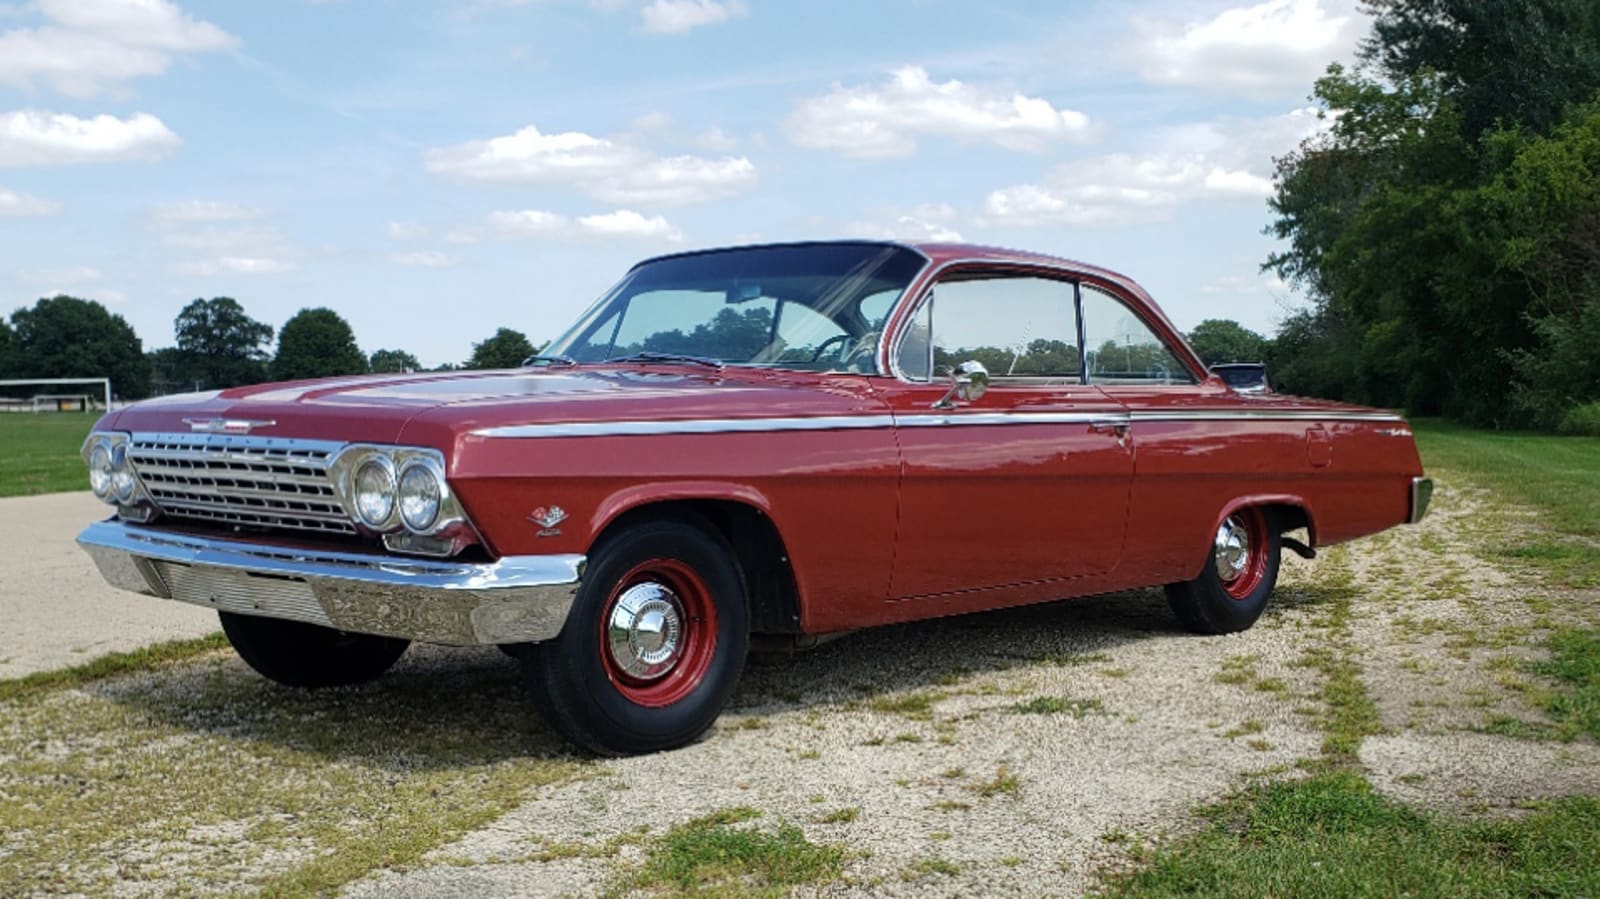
{"type": "Point", "coordinates": [517, 599]}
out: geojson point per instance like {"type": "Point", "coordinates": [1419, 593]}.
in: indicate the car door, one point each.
{"type": "Point", "coordinates": [1028, 482]}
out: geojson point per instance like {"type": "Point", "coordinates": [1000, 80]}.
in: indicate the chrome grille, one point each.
{"type": "Point", "coordinates": [238, 481]}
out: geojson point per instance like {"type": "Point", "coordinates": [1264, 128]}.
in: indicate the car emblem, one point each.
{"type": "Point", "coordinates": [548, 517]}
{"type": "Point", "coordinates": [225, 425]}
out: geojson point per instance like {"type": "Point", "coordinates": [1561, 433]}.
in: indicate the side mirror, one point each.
{"type": "Point", "coordinates": [968, 382]}
{"type": "Point", "coordinates": [1244, 377]}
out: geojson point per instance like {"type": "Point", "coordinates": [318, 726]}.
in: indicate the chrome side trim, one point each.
{"type": "Point", "coordinates": [849, 422]}
{"type": "Point", "coordinates": [1261, 414]}
{"type": "Point", "coordinates": [1421, 495]}
{"type": "Point", "coordinates": [689, 426]}
{"type": "Point", "coordinates": [517, 599]}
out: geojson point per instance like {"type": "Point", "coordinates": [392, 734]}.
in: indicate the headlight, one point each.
{"type": "Point", "coordinates": [421, 495]}
{"type": "Point", "coordinates": [100, 470]}
{"type": "Point", "coordinates": [122, 481]}
{"type": "Point", "coordinates": [374, 492]}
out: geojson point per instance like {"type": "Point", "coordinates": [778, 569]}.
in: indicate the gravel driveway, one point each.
{"type": "Point", "coordinates": [55, 610]}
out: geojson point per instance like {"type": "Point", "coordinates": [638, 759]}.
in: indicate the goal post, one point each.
{"type": "Point", "coordinates": [32, 400]}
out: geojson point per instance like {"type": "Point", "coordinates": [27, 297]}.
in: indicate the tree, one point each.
{"type": "Point", "coordinates": [317, 343]}
{"type": "Point", "coordinates": [393, 361]}
{"type": "Point", "coordinates": [66, 337]}
{"type": "Point", "coordinates": [220, 345]}
{"type": "Point", "coordinates": [506, 349]}
{"type": "Point", "coordinates": [8, 348]}
{"type": "Point", "coordinates": [1224, 340]}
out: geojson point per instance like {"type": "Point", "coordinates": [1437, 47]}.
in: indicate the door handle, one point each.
{"type": "Point", "coordinates": [1109, 426]}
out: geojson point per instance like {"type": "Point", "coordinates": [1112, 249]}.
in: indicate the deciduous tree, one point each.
{"type": "Point", "coordinates": [68, 337]}
{"type": "Point", "coordinates": [317, 343]}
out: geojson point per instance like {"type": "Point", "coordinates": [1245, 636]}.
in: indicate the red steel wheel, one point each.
{"type": "Point", "coordinates": [1242, 547]}
{"type": "Point", "coordinates": [658, 633]}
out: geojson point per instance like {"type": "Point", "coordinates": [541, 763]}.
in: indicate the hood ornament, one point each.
{"type": "Point", "coordinates": [225, 425]}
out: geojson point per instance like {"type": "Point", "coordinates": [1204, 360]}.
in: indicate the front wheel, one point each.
{"type": "Point", "coordinates": [653, 646]}
{"type": "Point", "coordinates": [1240, 572]}
{"type": "Point", "coordinates": [297, 654]}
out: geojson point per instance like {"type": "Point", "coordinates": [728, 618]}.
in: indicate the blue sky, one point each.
{"type": "Point", "coordinates": [434, 171]}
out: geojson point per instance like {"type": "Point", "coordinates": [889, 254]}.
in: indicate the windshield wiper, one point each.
{"type": "Point", "coordinates": [652, 356]}
{"type": "Point", "coordinates": [553, 359]}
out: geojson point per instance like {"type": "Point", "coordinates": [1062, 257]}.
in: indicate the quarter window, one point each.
{"type": "Point", "coordinates": [1122, 349]}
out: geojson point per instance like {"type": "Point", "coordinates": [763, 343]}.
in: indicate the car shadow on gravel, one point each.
{"type": "Point", "coordinates": [448, 707]}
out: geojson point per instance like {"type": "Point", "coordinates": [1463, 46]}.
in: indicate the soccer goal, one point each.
{"type": "Point", "coordinates": [56, 395]}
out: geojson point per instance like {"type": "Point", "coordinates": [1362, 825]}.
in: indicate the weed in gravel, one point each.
{"type": "Point", "coordinates": [916, 706]}
{"type": "Point", "coordinates": [840, 815]}
{"type": "Point", "coordinates": [1575, 667]}
{"type": "Point", "coordinates": [714, 856]}
{"type": "Point", "coordinates": [1004, 783]}
{"type": "Point", "coordinates": [1058, 705]}
{"type": "Point", "coordinates": [150, 658]}
{"type": "Point", "coordinates": [1244, 728]}
{"type": "Point", "coordinates": [1333, 835]}
{"type": "Point", "coordinates": [927, 867]}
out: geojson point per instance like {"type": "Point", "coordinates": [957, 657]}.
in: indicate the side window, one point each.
{"type": "Point", "coordinates": [1121, 347]}
{"type": "Point", "coordinates": [1018, 327]}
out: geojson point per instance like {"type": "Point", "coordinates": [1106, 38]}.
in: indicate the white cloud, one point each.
{"type": "Point", "coordinates": [1258, 284]}
{"type": "Point", "coordinates": [72, 274]}
{"type": "Point", "coordinates": [405, 231]}
{"type": "Point", "coordinates": [253, 241]}
{"type": "Point", "coordinates": [539, 224]}
{"type": "Point", "coordinates": [1229, 159]}
{"type": "Point", "coordinates": [425, 259]}
{"type": "Point", "coordinates": [238, 265]}
{"type": "Point", "coordinates": [883, 121]}
{"type": "Point", "coordinates": [717, 141]}
{"type": "Point", "coordinates": [927, 222]}
{"type": "Point", "coordinates": [84, 46]}
{"type": "Point", "coordinates": [612, 171]}
{"type": "Point", "coordinates": [34, 137]}
{"type": "Point", "coordinates": [203, 211]}
{"type": "Point", "coordinates": [17, 204]}
{"type": "Point", "coordinates": [679, 16]}
{"type": "Point", "coordinates": [1269, 47]}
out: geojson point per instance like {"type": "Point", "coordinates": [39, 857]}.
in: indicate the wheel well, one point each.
{"type": "Point", "coordinates": [757, 547]}
{"type": "Point", "coordinates": [1289, 517]}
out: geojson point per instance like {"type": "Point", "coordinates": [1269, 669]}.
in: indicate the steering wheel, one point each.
{"type": "Point", "coordinates": [822, 349]}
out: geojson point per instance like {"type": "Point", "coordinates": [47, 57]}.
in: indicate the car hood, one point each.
{"type": "Point", "coordinates": [435, 409]}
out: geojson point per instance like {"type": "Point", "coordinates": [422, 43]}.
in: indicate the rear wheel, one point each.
{"type": "Point", "coordinates": [307, 655]}
{"type": "Point", "coordinates": [1237, 580]}
{"type": "Point", "coordinates": [653, 646]}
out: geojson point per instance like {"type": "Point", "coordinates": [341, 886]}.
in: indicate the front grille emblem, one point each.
{"type": "Point", "coordinates": [225, 425]}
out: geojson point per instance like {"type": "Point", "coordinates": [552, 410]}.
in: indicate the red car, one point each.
{"type": "Point", "coordinates": [784, 440]}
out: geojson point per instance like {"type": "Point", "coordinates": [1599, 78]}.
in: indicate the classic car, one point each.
{"type": "Point", "coordinates": [779, 442]}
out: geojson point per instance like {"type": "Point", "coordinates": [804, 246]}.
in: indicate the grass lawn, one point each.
{"type": "Point", "coordinates": [1559, 476]}
{"type": "Point", "coordinates": [39, 452]}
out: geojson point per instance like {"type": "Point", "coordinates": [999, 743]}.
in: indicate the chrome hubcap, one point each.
{"type": "Point", "coordinates": [645, 633]}
{"type": "Point", "coordinates": [1232, 549]}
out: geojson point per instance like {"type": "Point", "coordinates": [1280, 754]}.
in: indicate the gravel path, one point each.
{"type": "Point", "coordinates": [55, 610]}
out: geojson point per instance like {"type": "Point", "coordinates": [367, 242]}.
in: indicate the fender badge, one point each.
{"type": "Point", "coordinates": [547, 517]}
{"type": "Point", "coordinates": [225, 425]}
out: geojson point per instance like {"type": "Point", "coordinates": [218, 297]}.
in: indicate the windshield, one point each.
{"type": "Point", "coordinates": [818, 307]}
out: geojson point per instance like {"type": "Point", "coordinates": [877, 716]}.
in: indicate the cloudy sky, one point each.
{"type": "Point", "coordinates": [436, 170]}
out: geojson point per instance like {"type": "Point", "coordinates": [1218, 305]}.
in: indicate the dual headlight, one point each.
{"type": "Point", "coordinates": [110, 475]}
{"type": "Point", "coordinates": [392, 488]}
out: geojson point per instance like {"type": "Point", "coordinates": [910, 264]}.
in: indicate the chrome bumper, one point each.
{"type": "Point", "coordinates": [1421, 494]}
{"type": "Point", "coordinates": [518, 599]}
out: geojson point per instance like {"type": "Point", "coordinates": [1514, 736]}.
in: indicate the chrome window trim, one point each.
{"type": "Point", "coordinates": [856, 422]}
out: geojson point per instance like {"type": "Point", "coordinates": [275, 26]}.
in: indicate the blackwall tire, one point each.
{"type": "Point", "coordinates": [297, 654]}
{"type": "Point", "coordinates": [653, 647]}
{"type": "Point", "coordinates": [1229, 597]}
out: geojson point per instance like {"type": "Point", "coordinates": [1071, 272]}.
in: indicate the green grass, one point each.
{"type": "Point", "coordinates": [720, 855]}
{"type": "Point", "coordinates": [148, 658]}
{"type": "Point", "coordinates": [1575, 667]}
{"type": "Point", "coordinates": [1332, 835]}
{"type": "Point", "coordinates": [39, 453]}
{"type": "Point", "coordinates": [1560, 476]}
{"type": "Point", "coordinates": [1058, 705]}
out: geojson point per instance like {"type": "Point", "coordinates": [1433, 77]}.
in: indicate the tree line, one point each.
{"type": "Point", "coordinates": [218, 345]}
